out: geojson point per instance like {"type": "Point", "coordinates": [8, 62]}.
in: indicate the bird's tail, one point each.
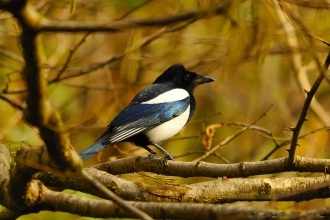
{"type": "Point", "coordinates": [93, 149]}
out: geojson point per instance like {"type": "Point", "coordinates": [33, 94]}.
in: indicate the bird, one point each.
{"type": "Point", "coordinates": [156, 113]}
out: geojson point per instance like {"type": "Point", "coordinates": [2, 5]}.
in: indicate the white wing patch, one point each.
{"type": "Point", "coordinates": [169, 128]}
{"type": "Point", "coordinates": [170, 96]}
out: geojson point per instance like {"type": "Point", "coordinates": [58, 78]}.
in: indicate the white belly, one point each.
{"type": "Point", "coordinates": [169, 128]}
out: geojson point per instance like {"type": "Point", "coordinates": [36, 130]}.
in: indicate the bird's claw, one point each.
{"type": "Point", "coordinates": [153, 155]}
{"type": "Point", "coordinates": [163, 161]}
{"type": "Point", "coordinates": [168, 157]}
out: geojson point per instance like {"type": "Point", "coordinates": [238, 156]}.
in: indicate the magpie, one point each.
{"type": "Point", "coordinates": [156, 113]}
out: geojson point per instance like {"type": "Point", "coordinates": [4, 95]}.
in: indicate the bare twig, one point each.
{"type": "Point", "coordinates": [223, 143]}
{"type": "Point", "coordinates": [100, 88]}
{"type": "Point", "coordinates": [321, 40]}
{"type": "Point", "coordinates": [268, 133]}
{"type": "Point", "coordinates": [68, 59]}
{"type": "Point", "coordinates": [303, 115]}
{"type": "Point", "coordinates": [133, 10]}
{"type": "Point", "coordinates": [289, 141]}
{"type": "Point", "coordinates": [13, 103]}
{"type": "Point", "coordinates": [14, 91]}
{"type": "Point", "coordinates": [300, 70]}
{"type": "Point", "coordinates": [88, 69]}
{"type": "Point", "coordinates": [232, 137]}
{"type": "Point", "coordinates": [297, 61]}
{"type": "Point", "coordinates": [144, 42]}
{"type": "Point", "coordinates": [318, 4]}
{"type": "Point", "coordinates": [11, 55]}
{"type": "Point", "coordinates": [54, 26]}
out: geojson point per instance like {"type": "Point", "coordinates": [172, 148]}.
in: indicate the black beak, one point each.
{"type": "Point", "coordinates": [199, 79]}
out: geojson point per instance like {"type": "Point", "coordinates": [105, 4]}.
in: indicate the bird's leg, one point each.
{"type": "Point", "coordinates": [149, 149]}
{"type": "Point", "coordinates": [167, 155]}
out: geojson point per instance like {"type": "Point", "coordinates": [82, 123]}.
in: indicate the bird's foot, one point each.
{"type": "Point", "coordinates": [162, 162]}
{"type": "Point", "coordinates": [153, 155]}
{"type": "Point", "coordinates": [166, 154]}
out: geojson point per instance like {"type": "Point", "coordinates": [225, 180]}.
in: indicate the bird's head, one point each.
{"type": "Point", "coordinates": [182, 78]}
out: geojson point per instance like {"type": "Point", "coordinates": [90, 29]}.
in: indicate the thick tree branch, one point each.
{"type": "Point", "coordinates": [7, 214]}
{"type": "Point", "coordinates": [193, 169]}
{"type": "Point", "coordinates": [116, 199]}
{"type": "Point", "coordinates": [39, 109]}
{"type": "Point", "coordinates": [58, 201]}
{"type": "Point", "coordinates": [221, 190]}
{"type": "Point", "coordinates": [160, 210]}
{"type": "Point", "coordinates": [42, 114]}
{"type": "Point", "coordinates": [5, 196]}
{"type": "Point", "coordinates": [29, 160]}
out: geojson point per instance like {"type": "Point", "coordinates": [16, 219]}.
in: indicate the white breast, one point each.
{"type": "Point", "coordinates": [169, 128]}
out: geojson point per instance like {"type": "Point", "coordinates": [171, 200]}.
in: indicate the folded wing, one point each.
{"type": "Point", "coordinates": [136, 119]}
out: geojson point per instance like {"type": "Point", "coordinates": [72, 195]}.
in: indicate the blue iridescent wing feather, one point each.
{"type": "Point", "coordinates": [139, 118]}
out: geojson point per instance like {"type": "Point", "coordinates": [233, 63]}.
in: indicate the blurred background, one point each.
{"type": "Point", "coordinates": [259, 52]}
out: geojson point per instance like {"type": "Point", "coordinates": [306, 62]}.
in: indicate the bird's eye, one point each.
{"type": "Point", "coordinates": [187, 77]}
